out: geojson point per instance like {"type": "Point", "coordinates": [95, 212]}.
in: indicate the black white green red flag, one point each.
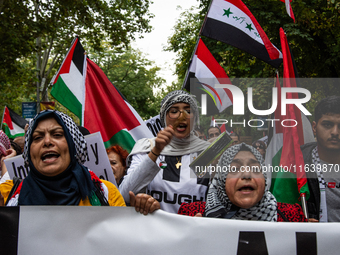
{"type": "Point", "coordinates": [231, 22]}
{"type": "Point", "coordinates": [284, 148]}
{"type": "Point", "coordinates": [69, 83]}
{"type": "Point", "coordinates": [203, 75]}
{"type": "Point", "coordinates": [82, 87]}
{"type": "Point", "coordinates": [13, 123]}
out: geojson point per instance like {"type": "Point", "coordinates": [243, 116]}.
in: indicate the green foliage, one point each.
{"type": "Point", "coordinates": [36, 34]}
{"type": "Point", "coordinates": [135, 77]}
{"type": "Point", "coordinates": [184, 39]}
{"type": "Point", "coordinates": [20, 88]}
{"type": "Point", "coordinates": [314, 40]}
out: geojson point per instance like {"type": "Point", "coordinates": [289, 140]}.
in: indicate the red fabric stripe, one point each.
{"type": "Point", "coordinates": [105, 109]}
{"type": "Point", "coordinates": [272, 51]}
{"type": "Point", "coordinates": [289, 81]}
{"type": "Point", "coordinates": [208, 59]}
{"type": "Point", "coordinates": [277, 113]}
{"type": "Point", "coordinates": [292, 136]}
{"type": "Point", "coordinates": [8, 119]}
{"type": "Point", "coordinates": [291, 13]}
{"type": "Point", "coordinates": [222, 128]}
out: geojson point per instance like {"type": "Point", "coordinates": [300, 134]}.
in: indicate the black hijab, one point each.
{"type": "Point", "coordinates": [66, 188]}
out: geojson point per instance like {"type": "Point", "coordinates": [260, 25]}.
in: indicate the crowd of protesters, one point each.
{"type": "Point", "coordinates": [156, 174]}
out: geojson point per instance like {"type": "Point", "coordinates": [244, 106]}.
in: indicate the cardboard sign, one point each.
{"type": "Point", "coordinates": [97, 161]}
{"type": "Point", "coordinates": [154, 124]}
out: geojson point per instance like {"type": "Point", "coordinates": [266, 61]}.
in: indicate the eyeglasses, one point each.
{"type": "Point", "coordinates": [175, 113]}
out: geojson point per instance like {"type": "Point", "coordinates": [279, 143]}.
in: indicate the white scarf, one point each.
{"type": "Point", "coordinates": [176, 147]}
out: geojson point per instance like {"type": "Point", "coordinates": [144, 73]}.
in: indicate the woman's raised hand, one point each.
{"type": "Point", "coordinates": [163, 139]}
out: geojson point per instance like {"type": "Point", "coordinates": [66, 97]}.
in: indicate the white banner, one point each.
{"type": "Point", "coordinates": [119, 230]}
{"type": "Point", "coordinates": [98, 161]}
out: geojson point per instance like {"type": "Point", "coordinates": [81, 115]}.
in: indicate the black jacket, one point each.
{"type": "Point", "coordinates": [313, 203]}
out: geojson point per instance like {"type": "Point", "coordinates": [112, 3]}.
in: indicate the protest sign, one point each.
{"type": "Point", "coordinates": [97, 161]}
{"type": "Point", "coordinates": [154, 124]}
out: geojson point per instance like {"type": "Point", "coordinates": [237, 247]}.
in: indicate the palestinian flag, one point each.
{"type": "Point", "coordinates": [96, 101]}
{"type": "Point", "coordinates": [204, 73]}
{"type": "Point", "coordinates": [231, 22]}
{"type": "Point", "coordinates": [284, 147]}
{"type": "Point", "coordinates": [289, 8]}
{"type": "Point", "coordinates": [68, 84]}
{"type": "Point", "coordinates": [14, 124]}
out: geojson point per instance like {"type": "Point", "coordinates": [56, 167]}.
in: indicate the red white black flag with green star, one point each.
{"type": "Point", "coordinates": [231, 22]}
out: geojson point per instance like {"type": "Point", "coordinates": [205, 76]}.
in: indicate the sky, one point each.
{"type": "Point", "coordinates": [166, 14]}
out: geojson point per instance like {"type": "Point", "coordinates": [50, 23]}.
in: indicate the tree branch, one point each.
{"type": "Point", "coordinates": [127, 71]}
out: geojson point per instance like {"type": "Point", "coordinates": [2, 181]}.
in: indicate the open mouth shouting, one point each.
{"type": "Point", "coordinates": [246, 189]}
{"type": "Point", "coordinates": [181, 127]}
{"type": "Point", "coordinates": [49, 156]}
{"type": "Point", "coordinates": [49, 150]}
{"type": "Point", "coordinates": [180, 119]}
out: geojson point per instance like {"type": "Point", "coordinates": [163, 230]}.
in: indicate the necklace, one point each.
{"type": "Point", "coordinates": [178, 164]}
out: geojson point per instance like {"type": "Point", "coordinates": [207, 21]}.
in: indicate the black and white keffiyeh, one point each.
{"type": "Point", "coordinates": [77, 137]}
{"type": "Point", "coordinates": [219, 203]}
{"type": "Point", "coordinates": [174, 97]}
{"type": "Point", "coordinates": [317, 165]}
{"type": "Point", "coordinates": [176, 147]}
{"type": "Point", "coordinates": [65, 188]}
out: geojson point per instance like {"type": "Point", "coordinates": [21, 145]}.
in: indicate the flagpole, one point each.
{"type": "Point", "coordinates": [304, 205]}
{"type": "Point", "coordinates": [199, 37]}
{"type": "Point", "coordinates": [84, 92]}
{"type": "Point", "coordinates": [192, 55]}
{"type": "Point", "coordinates": [205, 18]}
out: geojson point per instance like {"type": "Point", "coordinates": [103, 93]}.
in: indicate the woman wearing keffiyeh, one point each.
{"type": "Point", "coordinates": [55, 151]}
{"type": "Point", "coordinates": [239, 191]}
{"type": "Point", "coordinates": [161, 164]}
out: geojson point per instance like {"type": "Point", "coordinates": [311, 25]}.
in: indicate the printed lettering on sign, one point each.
{"type": "Point", "coordinates": [154, 124]}
{"type": "Point", "coordinates": [97, 161]}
